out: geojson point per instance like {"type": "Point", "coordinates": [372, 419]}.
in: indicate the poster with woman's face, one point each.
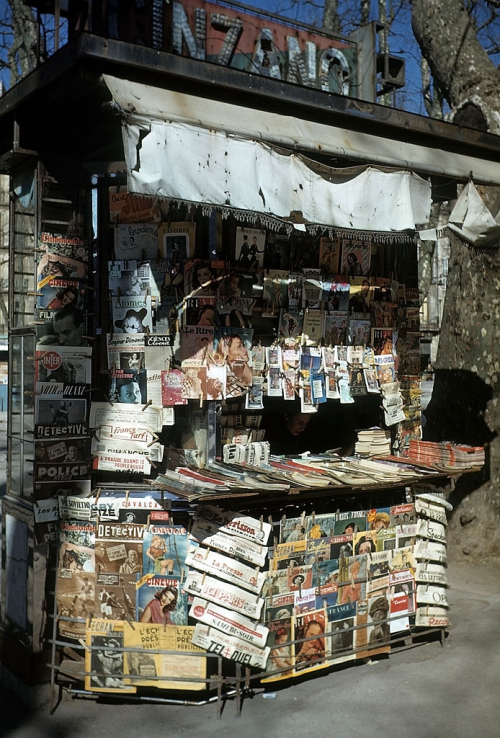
{"type": "Point", "coordinates": [356, 257]}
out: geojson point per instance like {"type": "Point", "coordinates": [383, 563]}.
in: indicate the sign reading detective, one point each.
{"type": "Point", "coordinates": [258, 44]}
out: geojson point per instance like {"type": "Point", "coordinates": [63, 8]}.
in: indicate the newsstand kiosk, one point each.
{"type": "Point", "coordinates": [216, 478]}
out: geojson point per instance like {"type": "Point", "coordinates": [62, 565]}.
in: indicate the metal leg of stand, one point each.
{"type": "Point", "coordinates": [53, 706]}
{"type": "Point", "coordinates": [238, 690]}
{"type": "Point", "coordinates": [219, 687]}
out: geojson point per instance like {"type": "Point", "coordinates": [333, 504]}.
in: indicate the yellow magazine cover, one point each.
{"type": "Point", "coordinates": [144, 666]}
{"type": "Point", "coordinates": [104, 657]}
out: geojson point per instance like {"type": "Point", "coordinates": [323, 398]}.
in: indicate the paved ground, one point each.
{"type": "Point", "coordinates": [428, 691]}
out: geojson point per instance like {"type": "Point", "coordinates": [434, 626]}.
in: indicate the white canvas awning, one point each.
{"type": "Point", "coordinates": [187, 148]}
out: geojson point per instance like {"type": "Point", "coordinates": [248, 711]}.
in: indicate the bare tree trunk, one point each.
{"type": "Point", "coordinates": [331, 20]}
{"type": "Point", "coordinates": [464, 73]}
{"type": "Point", "coordinates": [465, 405]}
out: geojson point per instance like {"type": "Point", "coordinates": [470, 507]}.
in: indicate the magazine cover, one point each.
{"type": "Point", "coordinates": [161, 600]}
{"type": "Point", "coordinates": [76, 546]}
{"type": "Point", "coordinates": [360, 295]}
{"type": "Point", "coordinates": [326, 576]}
{"type": "Point", "coordinates": [295, 290]}
{"type": "Point", "coordinates": [172, 385]}
{"type": "Point", "coordinates": [280, 655]}
{"type": "Point", "coordinates": [350, 522]}
{"type": "Point", "coordinates": [313, 328]}
{"type": "Point", "coordinates": [312, 288]}
{"type": "Point", "coordinates": [132, 314]}
{"type": "Point", "coordinates": [356, 258]}
{"type": "Point", "coordinates": [119, 548]}
{"type": "Point", "coordinates": [72, 247]}
{"type": "Point", "coordinates": [275, 292]}
{"type": "Point", "coordinates": [144, 666]}
{"type": "Point", "coordinates": [291, 323]}
{"type": "Point", "coordinates": [329, 255]}
{"type": "Point", "coordinates": [197, 345]}
{"type": "Point", "coordinates": [68, 365]}
{"type": "Point", "coordinates": [65, 450]}
{"type": "Point", "coordinates": [136, 241]}
{"type": "Point", "coordinates": [165, 550]}
{"type": "Point", "coordinates": [126, 352]}
{"type": "Point", "coordinates": [59, 293]}
{"type": "Point", "coordinates": [115, 594]}
{"type": "Point", "coordinates": [352, 579]}
{"type": "Point", "coordinates": [277, 254]}
{"type": "Point", "coordinates": [127, 208]}
{"type": "Point", "coordinates": [56, 417]}
{"type": "Point", "coordinates": [177, 241]}
{"type": "Point", "coordinates": [364, 647]}
{"type": "Point", "coordinates": [359, 333]}
{"type": "Point", "coordinates": [250, 248]}
{"type": "Point", "coordinates": [336, 328]}
{"type": "Point", "coordinates": [288, 555]}
{"type": "Point", "coordinates": [105, 658]}
{"type": "Point", "coordinates": [129, 278]}
{"type": "Point", "coordinates": [335, 294]}
{"type": "Point", "coordinates": [55, 266]}
{"type": "Point", "coordinates": [340, 633]}
{"type": "Point", "coordinates": [235, 300]}
{"type": "Point", "coordinates": [75, 591]}
{"type": "Point", "coordinates": [383, 314]}
{"type": "Point", "coordinates": [309, 653]}
{"type": "Point", "coordinates": [293, 529]}
{"type": "Point", "coordinates": [158, 351]}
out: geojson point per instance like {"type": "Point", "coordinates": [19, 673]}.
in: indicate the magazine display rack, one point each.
{"type": "Point", "coordinates": [269, 600]}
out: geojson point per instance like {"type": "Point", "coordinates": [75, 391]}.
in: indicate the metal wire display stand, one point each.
{"type": "Point", "coordinates": [241, 684]}
{"type": "Point", "coordinates": [62, 677]}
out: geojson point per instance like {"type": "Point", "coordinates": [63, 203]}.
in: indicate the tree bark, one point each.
{"type": "Point", "coordinates": [465, 405]}
{"type": "Point", "coordinates": [459, 64]}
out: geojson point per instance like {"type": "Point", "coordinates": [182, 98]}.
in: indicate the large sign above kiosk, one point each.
{"type": "Point", "coordinates": [249, 40]}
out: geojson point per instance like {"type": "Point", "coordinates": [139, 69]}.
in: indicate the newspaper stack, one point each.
{"type": "Point", "coordinates": [430, 552]}
{"type": "Point", "coordinates": [445, 454]}
{"type": "Point", "coordinates": [373, 442]}
{"type": "Point", "coordinates": [227, 552]}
